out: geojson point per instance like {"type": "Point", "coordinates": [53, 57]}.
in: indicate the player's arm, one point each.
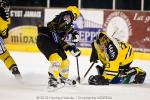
{"type": "Point", "coordinates": [65, 45]}
{"type": "Point", "coordinates": [72, 48]}
{"type": "Point", "coordinates": [61, 23]}
{"type": "Point", "coordinates": [127, 50]}
{"type": "Point", "coordinates": [5, 22]}
{"type": "Point", "coordinates": [52, 26]}
{"type": "Point", "coordinates": [4, 34]}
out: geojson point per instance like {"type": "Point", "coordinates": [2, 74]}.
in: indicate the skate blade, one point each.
{"type": "Point", "coordinates": [52, 89]}
{"type": "Point", "coordinates": [19, 79]}
{"type": "Point", "coordinates": [70, 84]}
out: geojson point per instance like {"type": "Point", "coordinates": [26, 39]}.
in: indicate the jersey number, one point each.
{"type": "Point", "coordinates": [122, 45]}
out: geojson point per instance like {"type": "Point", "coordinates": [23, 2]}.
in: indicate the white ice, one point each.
{"type": "Point", "coordinates": [34, 67]}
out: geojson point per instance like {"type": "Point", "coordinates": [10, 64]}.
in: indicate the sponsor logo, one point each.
{"type": "Point", "coordinates": [87, 29]}
{"type": "Point", "coordinates": [118, 25]}
{"type": "Point", "coordinates": [22, 35]}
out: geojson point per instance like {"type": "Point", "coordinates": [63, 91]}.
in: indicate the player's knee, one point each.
{"type": "Point", "coordinates": [55, 58]}
{"type": "Point", "coordinates": [64, 68]}
{"type": "Point", "coordinates": [65, 64]}
{"type": "Point", "coordinates": [7, 59]}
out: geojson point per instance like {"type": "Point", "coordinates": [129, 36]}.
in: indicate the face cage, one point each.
{"type": "Point", "coordinates": [100, 40]}
{"type": "Point", "coordinates": [75, 16]}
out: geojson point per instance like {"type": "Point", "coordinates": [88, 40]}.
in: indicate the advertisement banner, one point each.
{"type": "Point", "coordinates": [129, 26]}
{"type": "Point", "coordinates": [23, 28]}
{"type": "Point", "coordinates": [88, 25]}
{"type": "Point", "coordinates": [26, 16]}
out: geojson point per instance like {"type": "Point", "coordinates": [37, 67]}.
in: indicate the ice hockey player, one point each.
{"type": "Point", "coordinates": [51, 42]}
{"type": "Point", "coordinates": [116, 57]}
{"type": "Point", "coordinates": [4, 54]}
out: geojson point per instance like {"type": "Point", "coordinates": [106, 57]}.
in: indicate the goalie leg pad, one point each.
{"type": "Point", "coordinates": [135, 75]}
{"type": "Point", "coordinates": [140, 77]}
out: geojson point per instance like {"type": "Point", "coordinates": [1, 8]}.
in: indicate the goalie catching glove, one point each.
{"type": "Point", "coordinates": [98, 80]}
{"type": "Point", "coordinates": [74, 51]}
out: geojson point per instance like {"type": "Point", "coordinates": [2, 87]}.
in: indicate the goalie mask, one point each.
{"type": "Point", "coordinates": [102, 38]}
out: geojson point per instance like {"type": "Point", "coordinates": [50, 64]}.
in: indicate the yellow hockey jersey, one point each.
{"type": "Point", "coordinates": [116, 53]}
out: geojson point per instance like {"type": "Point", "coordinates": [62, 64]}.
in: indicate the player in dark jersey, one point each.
{"type": "Point", "coordinates": [51, 42]}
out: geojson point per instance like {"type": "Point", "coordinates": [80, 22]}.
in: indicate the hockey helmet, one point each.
{"type": "Point", "coordinates": [5, 4]}
{"type": "Point", "coordinates": [4, 9]}
{"type": "Point", "coordinates": [74, 10]}
{"type": "Point", "coordinates": [4, 17]}
{"type": "Point", "coordinates": [100, 35]}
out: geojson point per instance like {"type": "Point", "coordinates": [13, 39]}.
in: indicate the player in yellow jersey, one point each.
{"type": "Point", "coordinates": [116, 57]}
{"type": "Point", "coordinates": [4, 54]}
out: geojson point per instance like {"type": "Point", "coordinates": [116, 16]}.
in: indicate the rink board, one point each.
{"type": "Point", "coordinates": [84, 51]}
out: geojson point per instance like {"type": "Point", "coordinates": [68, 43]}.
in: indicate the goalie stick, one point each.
{"type": "Point", "coordinates": [88, 71]}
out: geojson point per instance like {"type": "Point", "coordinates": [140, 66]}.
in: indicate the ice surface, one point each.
{"type": "Point", "coordinates": [34, 66]}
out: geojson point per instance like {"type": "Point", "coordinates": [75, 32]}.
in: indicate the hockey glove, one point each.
{"type": "Point", "coordinates": [74, 51]}
{"type": "Point", "coordinates": [75, 37]}
{"type": "Point", "coordinates": [98, 80]}
{"type": "Point", "coordinates": [4, 34]}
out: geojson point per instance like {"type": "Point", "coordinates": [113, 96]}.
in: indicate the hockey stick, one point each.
{"type": "Point", "coordinates": [78, 79]}
{"type": "Point", "coordinates": [88, 70]}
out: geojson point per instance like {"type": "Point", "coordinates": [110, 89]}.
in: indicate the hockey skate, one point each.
{"type": "Point", "coordinates": [54, 84]}
{"type": "Point", "coordinates": [16, 73]}
{"type": "Point", "coordinates": [67, 81]}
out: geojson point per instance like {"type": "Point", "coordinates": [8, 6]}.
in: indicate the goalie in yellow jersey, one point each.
{"type": "Point", "coordinates": [116, 57]}
{"type": "Point", "coordinates": [4, 54]}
